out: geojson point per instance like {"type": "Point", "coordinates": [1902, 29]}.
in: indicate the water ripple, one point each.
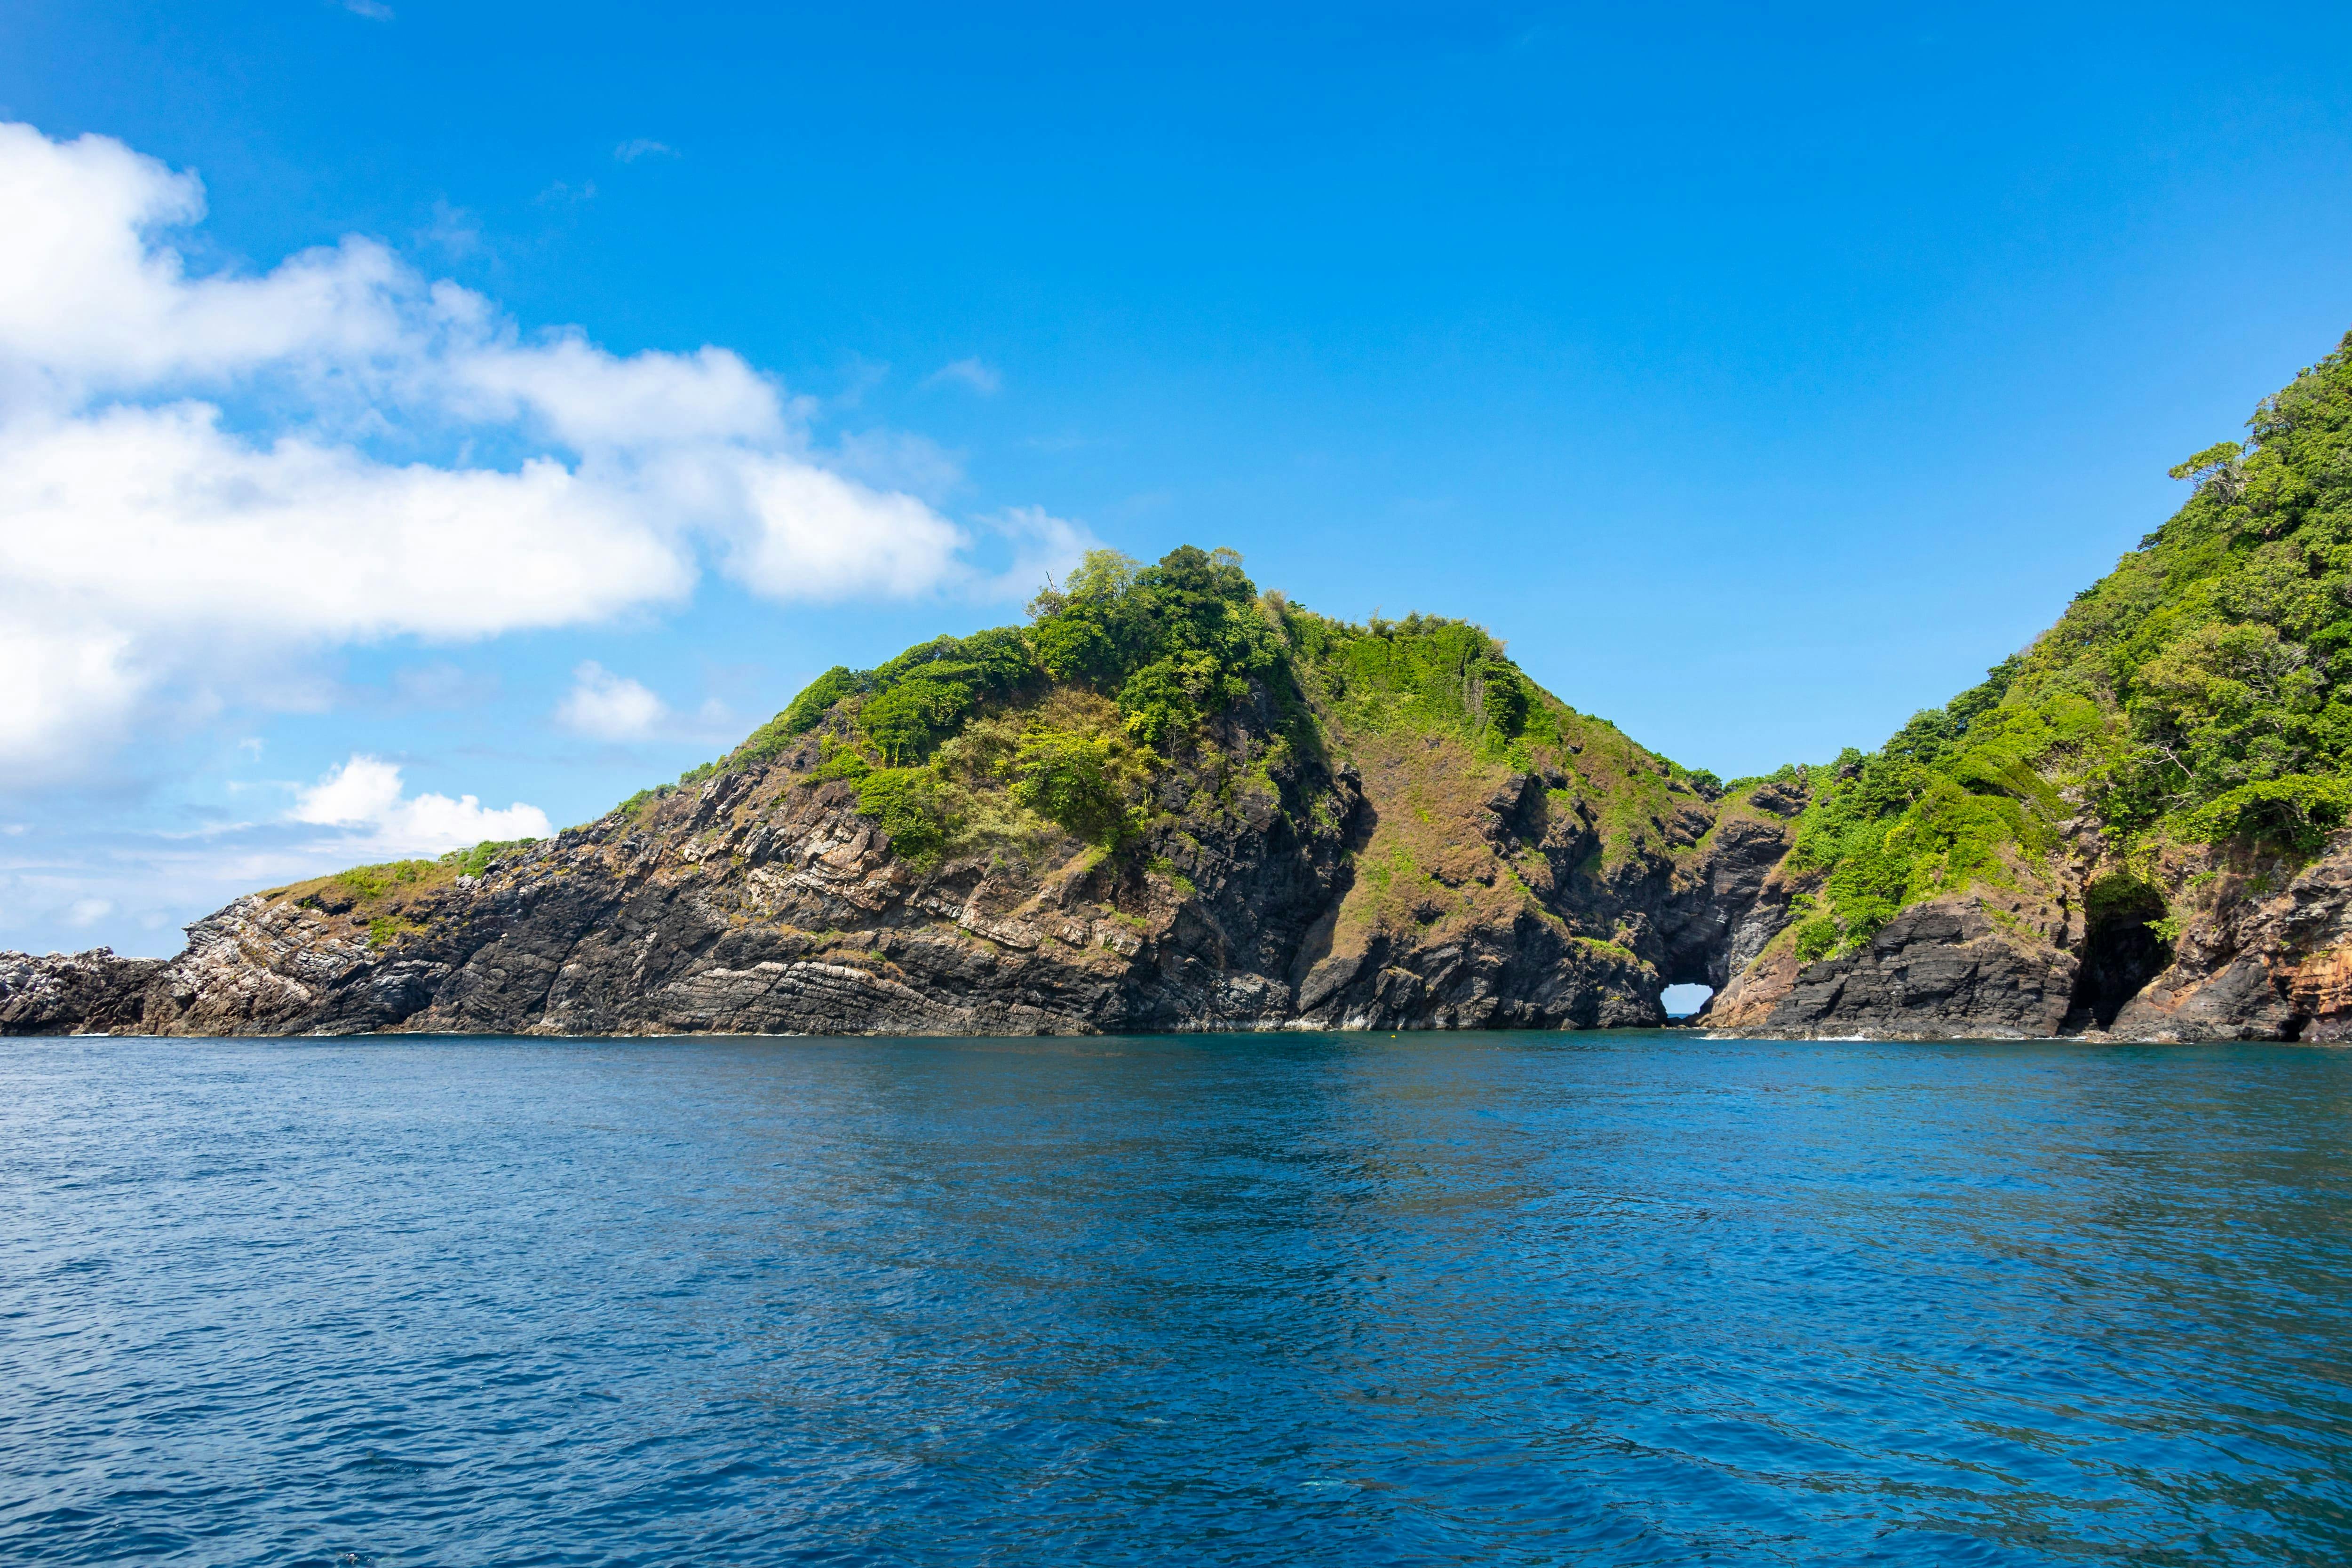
{"type": "Point", "coordinates": [1469, 1298]}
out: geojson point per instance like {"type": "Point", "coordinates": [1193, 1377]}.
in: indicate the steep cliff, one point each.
{"type": "Point", "coordinates": [1169, 803]}
{"type": "Point", "coordinates": [2136, 826]}
{"type": "Point", "coordinates": [1172, 802]}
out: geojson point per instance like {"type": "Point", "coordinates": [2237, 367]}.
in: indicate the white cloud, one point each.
{"type": "Point", "coordinates": [363, 795]}
{"type": "Point", "coordinates": [606, 706]}
{"type": "Point", "coordinates": [827, 537]}
{"type": "Point", "coordinates": [374, 10]}
{"type": "Point", "coordinates": [899, 460]}
{"type": "Point", "coordinates": [973, 373]}
{"type": "Point", "coordinates": [89, 911]}
{"type": "Point", "coordinates": [1041, 544]}
{"type": "Point", "coordinates": [638, 147]}
{"type": "Point", "coordinates": [205, 482]}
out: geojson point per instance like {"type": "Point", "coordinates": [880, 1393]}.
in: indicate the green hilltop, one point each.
{"type": "Point", "coordinates": [2199, 694]}
{"type": "Point", "coordinates": [1121, 674]}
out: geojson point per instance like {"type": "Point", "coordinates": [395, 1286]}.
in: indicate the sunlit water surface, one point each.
{"type": "Point", "coordinates": [1494, 1299]}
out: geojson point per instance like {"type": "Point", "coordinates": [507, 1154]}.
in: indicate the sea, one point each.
{"type": "Point", "coordinates": [1454, 1299]}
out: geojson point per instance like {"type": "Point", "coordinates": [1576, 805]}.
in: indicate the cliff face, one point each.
{"type": "Point", "coordinates": [2263, 951]}
{"type": "Point", "coordinates": [1170, 802]}
{"type": "Point", "coordinates": [765, 902]}
{"type": "Point", "coordinates": [1329, 851]}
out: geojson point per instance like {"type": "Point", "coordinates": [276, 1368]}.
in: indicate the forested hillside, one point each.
{"type": "Point", "coordinates": [2197, 695]}
{"type": "Point", "coordinates": [985, 743]}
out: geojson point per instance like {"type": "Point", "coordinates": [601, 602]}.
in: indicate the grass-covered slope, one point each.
{"type": "Point", "coordinates": [2199, 693]}
{"type": "Point", "coordinates": [987, 744]}
{"type": "Point", "coordinates": [1147, 719]}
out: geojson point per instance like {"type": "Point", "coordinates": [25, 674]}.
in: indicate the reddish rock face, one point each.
{"type": "Point", "coordinates": [2265, 952]}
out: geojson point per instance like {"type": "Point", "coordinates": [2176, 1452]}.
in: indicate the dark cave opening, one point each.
{"type": "Point", "coordinates": [2122, 952]}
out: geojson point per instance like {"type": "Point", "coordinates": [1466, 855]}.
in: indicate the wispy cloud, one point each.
{"type": "Point", "coordinates": [629, 152]}
{"type": "Point", "coordinates": [973, 373]}
{"type": "Point", "coordinates": [1040, 544]}
{"type": "Point", "coordinates": [374, 10]}
{"type": "Point", "coordinates": [453, 230]}
{"type": "Point", "coordinates": [901, 460]}
{"type": "Point", "coordinates": [606, 706]}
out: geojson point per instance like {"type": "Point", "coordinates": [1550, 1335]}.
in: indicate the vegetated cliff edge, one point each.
{"type": "Point", "coordinates": [1168, 803]}
{"type": "Point", "coordinates": [2135, 826]}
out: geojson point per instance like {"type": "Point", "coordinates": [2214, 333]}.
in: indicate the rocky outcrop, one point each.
{"type": "Point", "coordinates": [1733, 899]}
{"type": "Point", "coordinates": [1406, 884]}
{"type": "Point", "coordinates": [1953, 968]}
{"type": "Point", "coordinates": [67, 992]}
{"type": "Point", "coordinates": [2265, 952]}
{"type": "Point", "coordinates": [1404, 881]}
{"type": "Point", "coordinates": [2262, 950]}
{"type": "Point", "coordinates": [1330, 897]}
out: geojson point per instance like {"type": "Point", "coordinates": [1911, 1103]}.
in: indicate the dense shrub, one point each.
{"type": "Point", "coordinates": [1174, 643]}
{"type": "Point", "coordinates": [905, 802]}
{"type": "Point", "coordinates": [1423, 672]}
{"type": "Point", "coordinates": [1080, 781]}
{"type": "Point", "coordinates": [2198, 692]}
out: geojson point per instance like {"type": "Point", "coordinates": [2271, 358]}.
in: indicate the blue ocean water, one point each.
{"type": "Point", "coordinates": [1469, 1298]}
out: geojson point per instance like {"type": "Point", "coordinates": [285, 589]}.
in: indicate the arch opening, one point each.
{"type": "Point", "coordinates": [1686, 1000]}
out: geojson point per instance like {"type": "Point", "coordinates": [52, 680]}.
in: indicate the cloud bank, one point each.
{"type": "Point", "coordinates": [207, 480]}
{"type": "Point", "coordinates": [363, 797]}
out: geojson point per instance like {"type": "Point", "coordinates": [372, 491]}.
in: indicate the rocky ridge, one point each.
{"type": "Point", "coordinates": [763, 902]}
{"type": "Point", "coordinates": [1388, 878]}
{"type": "Point", "coordinates": [1175, 804]}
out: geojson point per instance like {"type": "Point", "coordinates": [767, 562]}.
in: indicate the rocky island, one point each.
{"type": "Point", "coordinates": [1172, 802]}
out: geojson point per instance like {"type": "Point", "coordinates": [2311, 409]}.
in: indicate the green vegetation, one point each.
{"type": "Point", "coordinates": [379, 894]}
{"type": "Point", "coordinates": [1423, 674]}
{"type": "Point", "coordinates": [370, 882]}
{"type": "Point", "coordinates": [384, 930]}
{"type": "Point", "coordinates": [1175, 642]}
{"type": "Point", "coordinates": [1003, 741]}
{"type": "Point", "coordinates": [2200, 693]}
{"type": "Point", "coordinates": [975, 744]}
{"type": "Point", "coordinates": [475, 860]}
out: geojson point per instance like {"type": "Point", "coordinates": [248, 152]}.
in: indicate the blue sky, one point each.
{"type": "Point", "coordinates": [1760, 375]}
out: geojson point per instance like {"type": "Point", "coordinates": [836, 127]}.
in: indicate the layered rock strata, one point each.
{"type": "Point", "coordinates": [2262, 950]}
{"type": "Point", "coordinates": [765, 904]}
{"type": "Point", "coordinates": [1406, 884]}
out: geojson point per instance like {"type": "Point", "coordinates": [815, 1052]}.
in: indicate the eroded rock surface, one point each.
{"type": "Point", "coordinates": [2265, 952]}
{"type": "Point", "coordinates": [1407, 885]}
{"type": "Point", "coordinates": [1946, 969]}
